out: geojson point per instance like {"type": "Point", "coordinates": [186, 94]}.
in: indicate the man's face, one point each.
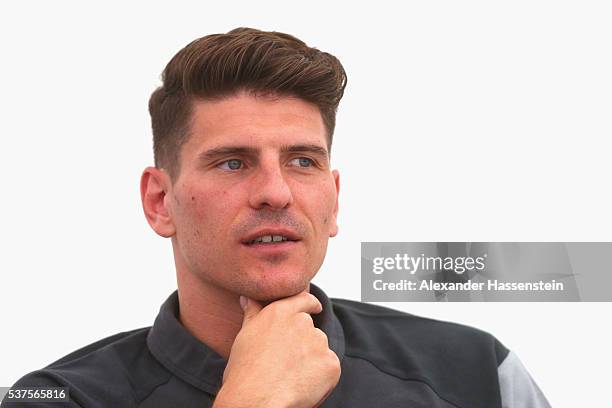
{"type": "Point", "coordinates": [254, 169]}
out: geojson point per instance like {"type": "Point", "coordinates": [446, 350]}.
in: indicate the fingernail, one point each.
{"type": "Point", "coordinates": [243, 302]}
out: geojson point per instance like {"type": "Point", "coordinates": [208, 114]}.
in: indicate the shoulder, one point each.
{"type": "Point", "coordinates": [409, 346]}
{"type": "Point", "coordinates": [104, 371]}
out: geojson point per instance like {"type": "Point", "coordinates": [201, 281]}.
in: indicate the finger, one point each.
{"type": "Point", "coordinates": [323, 399]}
{"type": "Point", "coordinates": [302, 302]}
{"type": "Point", "coordinates": [250, 307]}
{"type": "Point", "coordinates": [322, 336]}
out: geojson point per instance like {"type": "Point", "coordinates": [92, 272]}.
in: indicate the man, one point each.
{"type": "Point", "coordinates": [242, 185]}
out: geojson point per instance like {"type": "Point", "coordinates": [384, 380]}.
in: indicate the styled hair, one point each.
{"type": "Point", "coordinates": [245, 59]}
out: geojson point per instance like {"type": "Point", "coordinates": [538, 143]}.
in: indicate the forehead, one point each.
{"type": "Point", "coordinates": [255, 121]}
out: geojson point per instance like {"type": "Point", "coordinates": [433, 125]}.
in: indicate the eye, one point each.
{"type": "Point", "coordinates": [232, 164]}
{"type": "Point", "coordinates": [302, 162]}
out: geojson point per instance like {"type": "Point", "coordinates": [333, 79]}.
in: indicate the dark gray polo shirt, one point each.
{"type": "Point", "coordinates": [389, 359]}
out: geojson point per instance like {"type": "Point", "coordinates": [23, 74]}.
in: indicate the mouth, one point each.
{"type": "Point", "coordinates": [271, 238]}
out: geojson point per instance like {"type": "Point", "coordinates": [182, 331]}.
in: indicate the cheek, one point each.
{"type": "Point", "coordinates": [324, 202]}
{"type": "Point", "coordinates": [196, 213]}
{"type": "Point", "coordinates": [207, 212]}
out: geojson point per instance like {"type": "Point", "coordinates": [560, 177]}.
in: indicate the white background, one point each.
{"type": "Point", "coordinates": [462, 121]}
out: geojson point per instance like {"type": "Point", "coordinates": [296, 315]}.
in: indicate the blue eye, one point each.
{"type": "Point", "coordinates": [233, 164]}
{"type": "Point", "coordinates": [302, 162]}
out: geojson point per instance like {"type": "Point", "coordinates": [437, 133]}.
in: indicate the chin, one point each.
{"type": "Point", "coordinates": [270, 287]}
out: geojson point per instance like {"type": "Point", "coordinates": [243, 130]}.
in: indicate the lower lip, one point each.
{"type": "Point", "coordinates": [272, 248]}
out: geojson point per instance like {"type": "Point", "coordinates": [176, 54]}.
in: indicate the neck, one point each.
{"type": "Point", "coordinates": [209, 313]}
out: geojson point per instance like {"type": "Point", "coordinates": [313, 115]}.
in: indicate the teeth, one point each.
{"type": "Point", "coordinates": [269, 238]}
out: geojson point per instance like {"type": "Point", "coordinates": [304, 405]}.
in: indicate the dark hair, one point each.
{"type": "Point", "coordinates": [244, 59]}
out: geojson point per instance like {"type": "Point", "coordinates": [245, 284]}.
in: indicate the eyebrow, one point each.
{"type": "Point", "coordinates": [221, 151]}
{"type": "Point", "coordinates": [309, 148]}
{"type": "Point", "coordinates": [216, 152]}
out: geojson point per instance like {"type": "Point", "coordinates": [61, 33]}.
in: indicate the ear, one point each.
{"type": "Point", "coordinates": [154, 185]}
{"type": "Point", "coordinates": [333, 227]}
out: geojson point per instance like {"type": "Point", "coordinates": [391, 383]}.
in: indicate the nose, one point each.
{"type": "Point", "coordinates": [269, 187]}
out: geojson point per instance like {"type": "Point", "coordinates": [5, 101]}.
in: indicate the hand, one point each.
{"type": "Point", "coordinates": [279, 359]}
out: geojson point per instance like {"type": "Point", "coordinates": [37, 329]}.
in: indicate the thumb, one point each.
{"type": "Point", "coordinates": [250, 307]}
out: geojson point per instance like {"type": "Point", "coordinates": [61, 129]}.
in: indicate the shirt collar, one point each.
{"type": "Point", "coordinates": [197, 364]}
